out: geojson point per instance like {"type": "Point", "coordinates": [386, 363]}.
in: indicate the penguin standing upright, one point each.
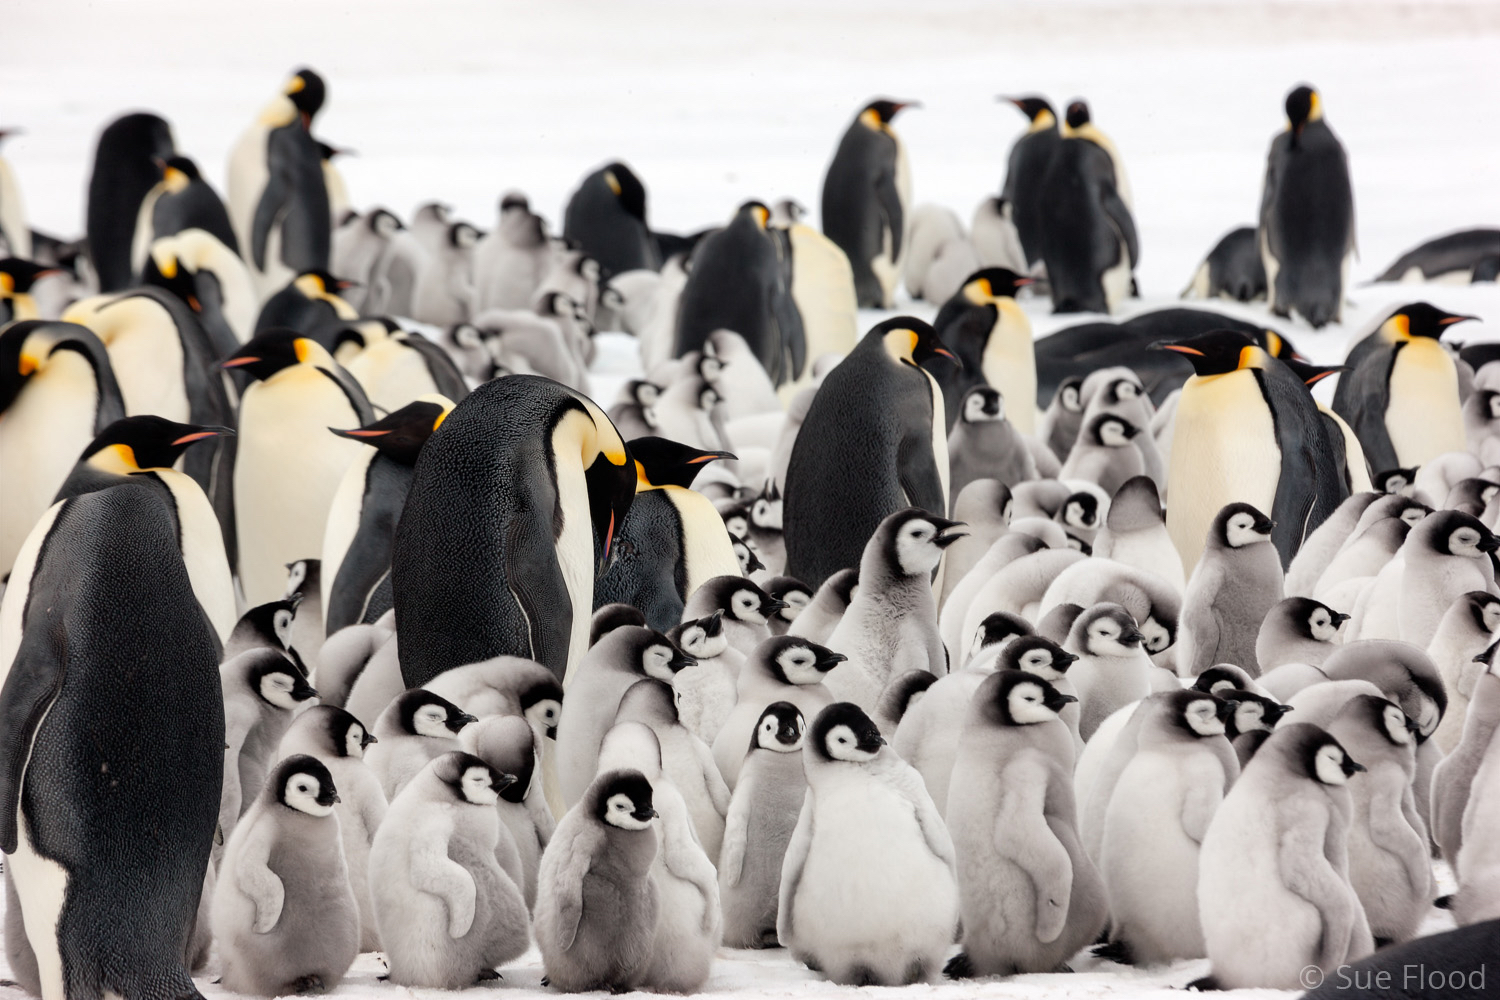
{"type": "Point", "coordinates": [1401, 394]}
{"type": "Point", "coordinates": [278, 200]}
{"type": "Point", "coordinates": [1089, 241]}
{"type": "Point", "coordinates": [287, 466]}
{"type": "Point", "coordinates": [1021, 196]}
{"type": "Point", "coordinates": [57, 391]}
{"type": "Point", "coordinates": [672, 540]}
{"type": "Point", "coordinates": [15, 234]}
{"type": "Point", "coordinates": [519, 495]}
{"type": "Point", "coordinates": [356, 567]}
{"type": "Point", "coordinates": [114, 742]}
{"type": "Point", "coordinates": [1307, 215]}
{"type": "Point", "coordinates": [740, 279]}
{"type": "Point", "coordinates": [1247, 430]}
{"type": "Point", "coordinates": [607, 218]}
{"type": "Point", "coordinates": [866, 195]}
{"type": "Point", "coordinates": [991, 336]}
{"type": "Point", "coordinates": [203, 272]}
{"type": "Point", "coordinates": [125, 171]}
{"type": "Point", "coordinates": [874, 441]}
{"type": "Point", "coordinates": [822, 289]}
{"type": "Point", "coordinates": [181, 200]}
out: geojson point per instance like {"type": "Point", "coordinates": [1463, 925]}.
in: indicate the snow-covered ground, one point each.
{"type": "Point", "coordinates": [713, 103]}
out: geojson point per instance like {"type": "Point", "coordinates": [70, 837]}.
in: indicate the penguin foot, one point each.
{"type": "Point", "coordinates": [1383, 942]}
{"type": "Point", "coordinates": [862, 975]}
{"type": "Point", "coordinates": [308, 984]}
{"type": "Point", "coordinates": [486, 975]}
{"type": "Point", "coordinates": [546, 981]}
{"type": "Point", "coordinates": [960, 966]}
{"type": "Point", "coordinates": [618, 988]}
{"type": "Point", "coordinates": [768, 939]}
{"type": "Point", "coordinates": [8, 983]}
{"type": "Point", "coordinates": [383, 979]}
{"type": "Point", "coordinates": [1115, 951]}
{"type": "Point", "coordinates": [1444, 902]}
{"type": "Point", "coordinates": [1205, 984]}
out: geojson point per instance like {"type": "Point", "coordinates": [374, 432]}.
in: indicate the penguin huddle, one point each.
{"type": "Point", "coordinates": [339, 617]}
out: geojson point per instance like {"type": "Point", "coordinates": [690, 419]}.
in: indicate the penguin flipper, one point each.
{"type": "Point", "coordinates": [364, 413]}
{"type": "Point", "coordinates": [1119, 214]}
{"type": "Point", "coordinates": [890, 207]}
{"type": "Point", "coordinates": [35, 679]}
{"type": "Point", "coordinates": [445, 374]}
{"type": "Point", "coordinates": [576, 858]}
{"type": "Point", "coordinates": [535, 580]}
{"type": "Point", "coordinates": [1023, 835]}
{"type": "Point", "coordinates": [797, 850]}
{"type": "Point", "coordinates": [736, 837]}
{"type": "Point", "coordinates": [1306, 872]}
{"type": "Point", "coordinates": [1310, 486]}
{"type": "Point", "coordinates": [268, 210]}
{"type": "Point", "coordinates": [1364, 403]}
{"type": "Point", "coordinates": [918, 472]}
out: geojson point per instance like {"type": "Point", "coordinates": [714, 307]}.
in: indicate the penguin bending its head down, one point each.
{"type": "Point", "coordinates": [866, 199]}
{"type": "Point", "coordinates": [1247, 430]}
{"type": "Point", "coordinates": [125, 171]}
{"type": "Point", "coordinates": [1021, 196]}
{"type": "Point", "coordinates": [607, 218]}
{"type": "Point", "coordinates": [520, 494]}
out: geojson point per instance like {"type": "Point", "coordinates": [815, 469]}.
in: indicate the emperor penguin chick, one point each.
{"type": "Point", "coordinates": [891, 625]}
{"type": "Point", "coordinates": [1277, 847]}
{"type": "Point", "coordinates": [747, 609]}
{"type": "Point", "coordinates": [762, 814]}
{"type": "Point", "coordinates": [1237, 581]}
{"type": "Point", "coordinates": [706, 692]}
{"type": "Point", "coordinates": [417, 727]}
{"type": "Point", "coordinates": [509, 745]}
{"type": "Point", "coordinates": [866, 811]}
{"type": "Point", "coordinates": [446, 911]}
{"type": "Point", "coordinates": [284, 915]}
{"type": "Point", "coordinates": [1031, 898]}
{"type": "Point", "coordinates": [1390, 865]}
{"type": "Point", "coordinates": [1465, 632]}
{"type": "Point", "coordinates": [786, 668]}
{"type": "Point", "coordinates": [262, 692]}
{"type": "Point", "coordinates": [1155, 822]}
{"type": "Point", "coordinates": [983, 444]}
{"type": "Point", "coordinates": [597, 906]}
{"type": "Point", "coordinates": [337, 740]}
{"type": "Point", "coordinates": [1113, 669]}
{"type": "Point", "coordinates": [1298, 630]}
{"type": "Point", "coordinates": [1135, 532]}
{"type": "Point", "coordinates": [1105, 453]}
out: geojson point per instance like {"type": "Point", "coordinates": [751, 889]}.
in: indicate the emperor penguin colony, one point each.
{"type": "Point", "coordinates": [412, 601]}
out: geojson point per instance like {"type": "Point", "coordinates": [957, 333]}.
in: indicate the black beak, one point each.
{"type": "Point", "coordinates": [457, 722]}
{"type": "Point", "coordinates": [828, 662]}
{"type": "Point", "coordinates": [1130, 637]}
{"type": "Point", "coordinates": [1489, 543]}
{"type": "Point", "coordinates": [1350, 767]}
{"type": "Point", "coordinates": [644, 814]}
{"type": "Point", "coordinates": [1263, 525]}
{"type": "Point", "coordinates": [367, 739]}
{"type": "Point", "coordinates": [1063, 661]}
{"type": "Point", "coordinates": [502, 781]}
{"type": "Point", "coordinates": [680, 660]}
{"type": "Point", "coordinates": [1339, 618]}
{"type": "Point", "coordinates": [551, 732]}
{"type": "Point", "coordinates": [303, 691]}
{"type": "Point", "coordinates": [770, 606]}
{"type": "Point", "coordinates": [787, 735]}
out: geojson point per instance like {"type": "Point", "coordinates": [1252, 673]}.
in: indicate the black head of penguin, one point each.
{"type": "Point", "coordinates": [622, 800]}
{"type": "Point", "coordinates": [990, 283]}
{"type": "Point", "coordinates": [1110, 431]}
{"type": "Point", "coordinates": [1030, 653]}
{"type": "Point", "coordinates": [627, 188]}
{"type": "Point", "coordinates": [792, 659]}
{"type": "Point", "coordinates": [1197, 714]}
{"type": "Point", "coordinates": [302, 783]}
{"type": "Point", "coordinates": [151, 442]}
{"type": "Point", "coordinates": [1217, 352]}
{"type": "Point", "coordinates": [462, 236]}
{"type": "Point", "coordinates": [25, 347]}
{"type": "Point", "coordinates": [1017, 698]}
{"type": "Point", "coordinates": [780, 728]}
{"type": "Point", "coordinates": [740, 599]}
{"type": "Point", "coordinates": [1311, 752]}
{"type": "Point", "coordinates": [352, 334]}
{"type": "Point", "coordinates": [1267, 711]}
{"type": "Point", "coordinates": [1422, 319]}
{"type": "Point", "coordinates": [643, 650]}
{"type": "Point", "coordinates": [1484, 608]}
{"type": "Point", "coordinates": [341, 730]}
{"type": "Point", "coordinates": [413, 701]}
{"type": "Point", "coordinates": [906, 538]}
{"type": "Point", "coordinates": [1080, 510]}
{"type": "Point", "coordinates": [1394, 480]}
{"type": "Point", "coordinates": [1000, 626]}
{"type": "Point", "coordinates": [267, 353]}
{"type": "Point", "coordinates": [307, 92]}
{"type": "Point", "coordinates": [884, 110]}
{"type": "Point", "coordinates": [383, 222]}
{"type": "Point", "coordinates": [17, 275]}
{"type": "Point", "coordinates": [268, 624]}
{"type": "Point", "coordinates": [546, 695]}
{"type": "Point", "coordinates": [843, 732]}
{"type": "Point", "coordinates": [1238, 524]}
{"type": "Point", "coordinates": [1302, 106]}
{"type": "Point", "coordinates": [470, 779]}
{"type": "Point", "coordinates": [124, 172]}
{"type": "Point", "coordinates": [612, 616]}
{"type": "Point", "coordinates": [1471, 495]}
{"type": "Point", "coordinates": [1308, 618]}
{"type": "Point", "coordinates": [909, 341]}
{"type": "Point", "coordinates": [1036, 109]}
{"type": "Point", "coordinates": [792, 592]}
{"type": "Point", "coordinates": [1078, 114]}
{"type": "Point", "coordinates": [663, 462]}
{"type": "Point", "coordinates": [177, 172]}
{"type": "Point", "coordinates": [1454, 533]}
{"type": "Point", "coordinates": [400, 434]}
{"type": "Point", "coordinates": [276, 679]}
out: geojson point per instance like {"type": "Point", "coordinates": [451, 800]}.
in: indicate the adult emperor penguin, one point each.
{"type": "Point", "coordinates": [310, 303]}
{"type": "Point", "coordinates": [447, 912]}
{"type": "Point", "coordinates": [287, 466]}
{"type": "Point", "coordinates": [145, 449]}
{"type": "Point", "coordinates": [866, 199]}
{"type": "Point", "coordinates": [125, 170]}
{"type": "Point", "coordinates": [1236, 583]}
{"type": "Point", "coordinates": [520, 493]}
{"type": "Point", "coordinates": [107, 661]}
{"type": "Point", "coordinates": [874, 441]}
{"type": "Point", "coordinates": [1307, 215]}
{"type": "Point", "coordinates": [15, 234]}
{"type": "Point", "coordinates": [278, 199]}
{"type": "Point", "coordinates": [606, 216]}
{"type": "Point", "coordinates": [1021, 196]}
{"type": "Point", "coordinates": [856, 930]}
{"type": "Point", "coordinates": [1401, 393]}
{"type": "Point", "coordinates": [1247, 430]}
{"type": "Point", "coordinates": [1031, 898]}
{"type": "Point", "coordinates": [991, 336]}
{"type": "Point", "coordinates": [823, 289]}
{"type": "Point", "coordinates": [16, 278]}
{"type": "Point", "coordinates": [762, 815]}
{"type": "Point", "coordinates": [284, 915]}
{"type": "Point", "coordinates": [1232, 270]}
{"type": "Point", "coordinates": [355, 572]}
{"type": "Point", "coordinates": [1463, 257]}
{"type": "Point", "coordinates": [597, 906]}
{"type": "Point", "coordinates": [1089, 242]}
{"type": "Point", "coordinates": [57, 392]}
{"type": "Point", "coordinates": [1277, 848]}
{"type": "Point", "coordinates": [212, 280]}
{"type": "Point", "coordinates": [671, 541]}
{"type": "Point", "coordinates": [181, 200]}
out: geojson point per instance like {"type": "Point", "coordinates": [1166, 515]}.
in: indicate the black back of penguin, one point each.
{"type": "Point", "coordinates": [116, 676]}
{"type": "Point", "coordinates": [607, 218]}
{"type": "Point", "coordinates": [124, 171]}
{"type": "Point", "coordinates": [865, 450]}
{"type": "Point", "coordinates": [475, 570]}
{"type": "Point", "coordinates": [1086, 225]}
{"type": "Point", "coordinates": [296, 194]}
{"type": "Point", "coordinates": [1026, 169]}
{"type": "Point", "coordinates": [862, 204]}
{"type": "Point", "coordinates": [193, 205]}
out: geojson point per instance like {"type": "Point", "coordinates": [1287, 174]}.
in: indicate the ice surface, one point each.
{"type": "Point", "coordinates": [714, 103]}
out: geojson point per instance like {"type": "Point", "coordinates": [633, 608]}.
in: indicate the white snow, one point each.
{"type": "Point", "coordinates": [714, 103]}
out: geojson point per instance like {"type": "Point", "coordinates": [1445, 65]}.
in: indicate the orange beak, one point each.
{"type": "Point", "coordinates": [238, 362]}
{"type": "Point", "coordinates": [1182, 350]}
{"type": "Point", "coordinates": [366, 434]}
{"type": "Point", "coordinates": [195, 436]}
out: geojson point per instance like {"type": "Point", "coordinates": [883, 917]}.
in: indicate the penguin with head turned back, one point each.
{"type": "Point", "coordinates": [1247, 430]}
{"type": "Point", "coordinates": [607, 218]}
{"type": "Point", "coordinates": [278, 199]}
{"type": "Point", "coordinates": [1401, 394]}
{"type": "Point", "coordinates": [1021, 197]}
{"type": "Point", "coordinates": [356, 564]}
{"type": "Point", "coordinates": [181, 200]}
{"type": "Point", "coordinates": [1307, 215]}
{"type": "Point", "coordinates": [866, 199]}
{"type": "Point", "coordinates": [520, 493]}
{"type": "Point", "coordinates": [991, 337]}
{"type": "Point", "coordinates": [1089, 242]}
{"type": "Point", "coordinates": [873, 442]}
{"type": "Point", "coordinates": [113, 736]}
{"type": "Point", "coordinates": [125, 171]}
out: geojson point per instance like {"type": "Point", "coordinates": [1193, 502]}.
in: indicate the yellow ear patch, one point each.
{"type": "Point", "coordinates": [1273, 343]}
{"type": "Point", "coordinates": [1400, 325]}
{"type": "Point", "coordinates": [439, 421]}
{"type": "Point", "coordinates": [27, 364]}
{"type": "Point", "coordinates": [762, 216]}
{"type": "Point", "coordinates": [612, 181]}
{"type": "Point", "coordinates": [295, 84]}
{"type": "Point", "coordinates": [7, 283]}
{"type": "Point", "coordinates": [1248, 358]}
{"type": "Point", "coordinates": [302, 347]}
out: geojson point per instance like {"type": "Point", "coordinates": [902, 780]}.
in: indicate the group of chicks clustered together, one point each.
{"type": "Point", "coordinates": [1041, 725]}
